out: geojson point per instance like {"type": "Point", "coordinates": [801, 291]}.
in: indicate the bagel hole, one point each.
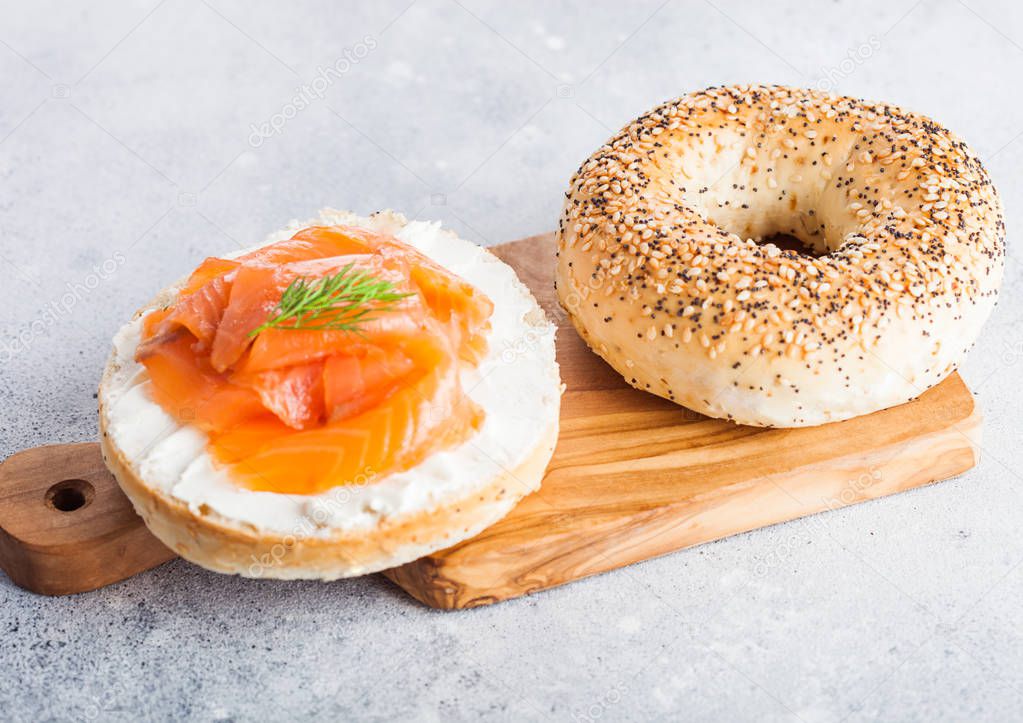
{"type": "Point", "coordinates": [788, 242]}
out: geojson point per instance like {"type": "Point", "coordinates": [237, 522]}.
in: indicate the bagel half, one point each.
{"type": "Point", "coordinates": [667, 269]}
{"type": "Point", "coordinates": [195, 509]}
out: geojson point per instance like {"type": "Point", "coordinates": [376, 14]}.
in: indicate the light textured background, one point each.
{"type": "Point", "coordinates": [127, 146]}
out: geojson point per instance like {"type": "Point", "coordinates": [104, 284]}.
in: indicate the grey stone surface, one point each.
{"type": "Point", "coordinates": [127, 153]}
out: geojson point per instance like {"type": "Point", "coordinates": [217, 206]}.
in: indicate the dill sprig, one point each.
{"type": "Point", "coordinates": [343, 301]}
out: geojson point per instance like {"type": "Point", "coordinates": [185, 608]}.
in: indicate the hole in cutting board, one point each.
{"type": "Point", "coordinates": [70, 495]}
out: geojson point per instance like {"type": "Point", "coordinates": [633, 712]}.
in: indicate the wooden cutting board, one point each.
{"type": "Point", "coordinates": [633, 477]}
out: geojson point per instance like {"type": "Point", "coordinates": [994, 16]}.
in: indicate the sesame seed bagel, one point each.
{"type": "Point", "coordinates": [667, 267]}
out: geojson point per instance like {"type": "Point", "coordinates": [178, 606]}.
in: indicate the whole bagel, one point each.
{"type": "Point", "coordinates": [666, 267]}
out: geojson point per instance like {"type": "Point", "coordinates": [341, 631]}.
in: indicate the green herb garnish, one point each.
{"type": "Point", "coordinates": [344, 301]}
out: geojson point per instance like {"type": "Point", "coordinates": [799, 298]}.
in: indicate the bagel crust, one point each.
{"type": "Point", "coordinates": [221, 544]}
{"type": "Point", "coordinates": [195, 509]}
{"type": "Point", "coordinates": [667, 268]}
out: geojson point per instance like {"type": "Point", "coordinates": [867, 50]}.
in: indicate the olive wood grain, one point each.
{"type": "Point", "coordinates": [633, 476]}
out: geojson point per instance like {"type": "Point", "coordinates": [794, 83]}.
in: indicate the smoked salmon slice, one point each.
{"type": "Point", "coordinates": [307, 403]}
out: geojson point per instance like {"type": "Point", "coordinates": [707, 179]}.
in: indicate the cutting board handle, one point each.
{"type": "Point", "coordinates": [65, 525]}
